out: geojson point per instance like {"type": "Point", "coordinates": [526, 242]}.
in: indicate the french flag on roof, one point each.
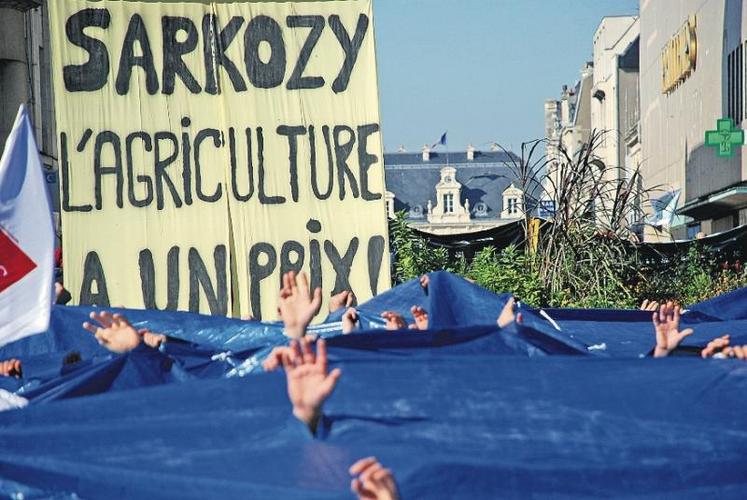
{"type": "Point", "coordinates": [440, 142]}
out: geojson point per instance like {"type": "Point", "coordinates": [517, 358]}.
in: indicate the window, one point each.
{"type": "Point", "coordinates": [693, 230]}
{"type": "Point", "coordinates": [513, 206]}
{"type": "Point", "coordinates": [388, 207]}
{"type": "Point", "coordinates": [448, 203]}
{"type": "Point", "coordinates": [735, 70]}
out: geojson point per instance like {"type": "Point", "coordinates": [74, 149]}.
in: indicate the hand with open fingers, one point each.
{"type": "Point", "coordinates": [349, 320]}
{"type": "Point", "coordinates": [508, 313]}
{"type": "Point", "coordinates": [667, 326]}
{"type": "Point", "coordinates": [310, 382]}
{"type": "Point", "coordinates": [346, 298]}
{"type": "Point", "coordinates": [424, 282]}
{"type": "Point", "coordinates": [113, 331]}
{"type": "Point", "coordinates": [372, 481]}
{"type": "Point", "coordinates": [715, 346]}
{"type": "Point", "coordinates": [11, 368]}
{"type": "Point", "coordinates": [421, 317]}
{"type": "Point", "coordinates": [649, 305]}
{"type": "Point", "coordinates": [298, 305]}
{"type": "Point", "coordinates": [394, 321]}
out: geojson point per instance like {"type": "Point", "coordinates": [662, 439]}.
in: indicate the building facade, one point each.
{"type": "Point", "coordinates": [454, 192]}
{"type": "Point", "coordinates": [614, 92]}
{"type": "Point", "coordinates": [567, 128]}
{"type": "Point", "coordinates": [605, 103]}
{"type": "Point", "coordinates": [692, 73]}
{"type": "Point", "coordinates": [25, 76]}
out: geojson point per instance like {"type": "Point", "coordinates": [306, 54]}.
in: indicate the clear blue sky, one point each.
{"type": "Point", "coordinates": [480, 68]}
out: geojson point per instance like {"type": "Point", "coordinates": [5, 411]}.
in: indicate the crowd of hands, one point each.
{"type": "Point", "coordinates": [304, 360]}
{"type": "Point", "coordinates": [669, 335]}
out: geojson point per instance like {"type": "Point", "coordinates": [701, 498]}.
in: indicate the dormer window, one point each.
{"type": "Point", "coordinates": [448, 207]}
{"type": "Point", "coordinates": [513, 206]}
{"type": "Point", "coordinates": [512, 202]}
{"type": "Point", "coordinates": [481, 209]}
{"type": "Point", "coordinates": [448, 203]}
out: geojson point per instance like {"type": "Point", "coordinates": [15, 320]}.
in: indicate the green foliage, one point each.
{"type": "Point", "coordinates": [507, 271]}
{"type": "Point", "coordinates": [413, 256]}
{"type": "Point", "coordinates": [599, 276]}
{"type": "Point", "coordinates": [692, 277]}
{"type": "Point", "coordinates": [584, 257]}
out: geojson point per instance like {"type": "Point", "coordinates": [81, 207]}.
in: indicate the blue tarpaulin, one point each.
{"type": "Point", "coordinates": [565, 405]}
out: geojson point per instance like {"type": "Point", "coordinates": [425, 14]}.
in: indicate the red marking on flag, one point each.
{"type": "Point", "coordinates": [14, 263]}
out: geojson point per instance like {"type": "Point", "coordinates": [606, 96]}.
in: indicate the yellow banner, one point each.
{"type": "Point", "coordinates": [208, 147]}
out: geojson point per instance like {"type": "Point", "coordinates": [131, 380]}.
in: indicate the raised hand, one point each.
{"type": "Point", "coordinates": [309, 381]}
{"type": "Point", "coordinates": [373, 481]}
{"type": "Point", "coordinates": [113, 331]}
{"type": "Point", "coordinates": [346, 298]}
{"type": "Point", "coordinates": [667, 326]}
{"type": "Point", "coordinates": [349, 320]}
{"type": "Point", "coordinates": [11, 368]}
{"type": "Point", "coordinates": [421, 317]}
{"type": "Point", "coordinates": [649, 305]}
{"type": "Point", "coordinates": [508, 313]}
{"type": "Point", "coordinates": [298, 305]}
{"type": "Point", "coordinates": [394, 321]}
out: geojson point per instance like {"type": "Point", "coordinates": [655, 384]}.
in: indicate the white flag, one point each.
{"type": "Point", "coordinates": [26, 237]}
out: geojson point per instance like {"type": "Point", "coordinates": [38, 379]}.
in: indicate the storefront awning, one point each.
{"type": "Point", "coordinates": [728, 200]}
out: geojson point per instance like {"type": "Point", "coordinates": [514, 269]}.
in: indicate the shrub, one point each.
{"type": "Point", "coordinates": [509, 270]}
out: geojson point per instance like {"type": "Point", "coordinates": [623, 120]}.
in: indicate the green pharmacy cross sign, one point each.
{"type": "Point", "coordinates": [725, 138]}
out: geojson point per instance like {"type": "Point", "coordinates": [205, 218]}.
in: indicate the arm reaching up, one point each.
{"type": "Point", "coordinates": [667, 327]}
{"type": "Point", "coordinates": [310, 382]}
{"type": "Point", "coordinates": [649, 305]}
{"type": "Point", "coordinates": [298, 305]}
{"type": "Point", "coordinates": [113, 331]}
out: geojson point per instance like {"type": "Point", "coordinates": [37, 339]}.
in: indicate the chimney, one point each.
{"type": "Point", "coordinates": [587, 69]}
{"type": "Point", "coordinates": [426, 153]}
{"type": "Point", "coordinates": [470, 152]}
